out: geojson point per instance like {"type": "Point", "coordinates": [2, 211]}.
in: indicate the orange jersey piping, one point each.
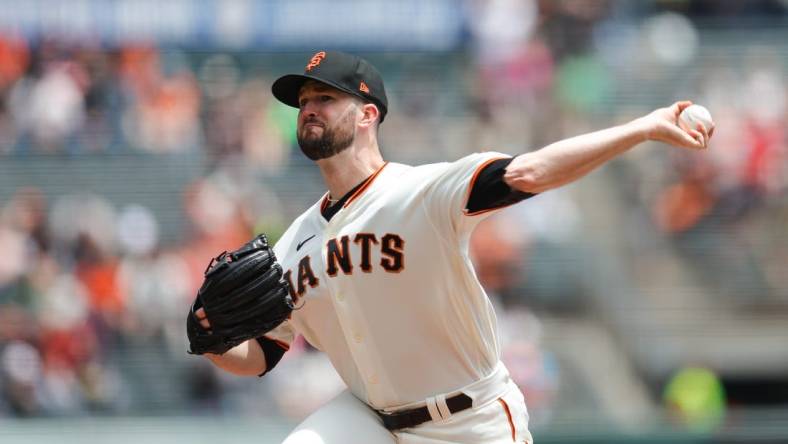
{"type": "Point", "coordinates": [509, 417]}
{"type": "Point", "coordinates": [365, 186]}
{"type": "Point", "coordinates": [324, 203]}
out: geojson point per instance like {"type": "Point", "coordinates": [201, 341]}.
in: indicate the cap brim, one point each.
{"type": "Point", "coordinates": [286, 88]}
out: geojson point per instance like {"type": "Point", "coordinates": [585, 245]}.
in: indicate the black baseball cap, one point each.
{"type": "Point", "coordinates": [340, 70]}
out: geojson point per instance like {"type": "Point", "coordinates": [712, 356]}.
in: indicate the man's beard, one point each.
{"type": "Point", "coordinates": [332, 141]}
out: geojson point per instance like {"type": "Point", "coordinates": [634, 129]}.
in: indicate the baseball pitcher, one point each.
{"type": "Point", "coordinates": [380, 268]}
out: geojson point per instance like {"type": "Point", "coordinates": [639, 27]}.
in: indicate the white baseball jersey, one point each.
{"type": "Point", "coordinates": [386, 286]}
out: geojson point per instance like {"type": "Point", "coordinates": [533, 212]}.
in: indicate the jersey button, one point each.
{"type": "Point", "coordinates": [358, 338]}
{"type": "Point", "coordinates": [340, 297]}
{"type": "Point", "coordinates": [372, 379]}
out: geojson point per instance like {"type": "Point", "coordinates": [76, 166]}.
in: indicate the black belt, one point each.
{"type": "Point", "coordinates": [411, 418]}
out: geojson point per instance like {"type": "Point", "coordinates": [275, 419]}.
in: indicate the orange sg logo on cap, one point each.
{"type": "Point", "coordinates": [363, 88]}
{"type": "Point", "coordinates": [316, 59]}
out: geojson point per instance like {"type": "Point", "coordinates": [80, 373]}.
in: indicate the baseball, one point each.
{"type": "Point", "coordinates": [693, 115]}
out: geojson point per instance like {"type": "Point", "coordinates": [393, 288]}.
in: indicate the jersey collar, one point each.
{"type": "Point", "coordinates": [358, 192]}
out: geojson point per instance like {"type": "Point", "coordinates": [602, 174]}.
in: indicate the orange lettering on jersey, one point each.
{"type": "Point", "coordinates": [392, 246]}
{"type": "Point", "coordinates": [316, 59]}
{"type": "Point", "coordinates": [363, 88]}
{"type": "Point", "coordinates": [338, 254]}
{"type": "Point", "coordinates": [306, 276]}
{"type": "Point", "coordinates": [366, 239]}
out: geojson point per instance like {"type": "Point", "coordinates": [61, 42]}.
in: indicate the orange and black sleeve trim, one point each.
{"type": "Point", "coordinates": [489, 191]}
{"type": "Point", "coordinates": [273, 351]}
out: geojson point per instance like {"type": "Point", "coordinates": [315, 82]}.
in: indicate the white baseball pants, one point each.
{"type": "Point", "coordinates": [498, 415]}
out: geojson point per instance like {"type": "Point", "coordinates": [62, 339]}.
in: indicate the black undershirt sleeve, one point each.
{"type": "Point", "coordinates": [273, 353]}
{"type": "Point", "coordinates": [490, 191]}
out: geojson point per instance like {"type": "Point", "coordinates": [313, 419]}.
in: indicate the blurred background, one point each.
{"type": "Point", "coordinates": [138, 138]}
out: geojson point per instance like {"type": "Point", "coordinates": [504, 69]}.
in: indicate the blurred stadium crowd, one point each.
{"type": "Point", "coordinates": [93, 293]}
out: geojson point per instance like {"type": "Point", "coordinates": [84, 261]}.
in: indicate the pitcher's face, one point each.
{"type": "Point", "coordinates": [327, 120]}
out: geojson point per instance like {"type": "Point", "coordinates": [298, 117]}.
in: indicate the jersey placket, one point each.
{"type": "Point", "coordinates": [352, 321]}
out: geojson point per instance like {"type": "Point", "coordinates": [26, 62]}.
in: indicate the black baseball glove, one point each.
{"type": "Point", "coordinates": [244, 296]}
